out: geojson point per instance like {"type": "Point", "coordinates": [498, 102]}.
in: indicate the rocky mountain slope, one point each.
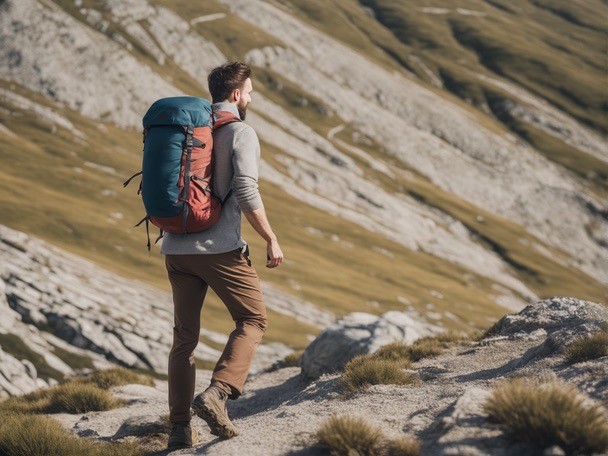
{"type": "Point", "coordinates": [346, 129]}
{"type": "Point", "coordinates": [381, 160]}
{"type": "Point", "coordinates": [61, 314]}
{"type": "Point", "coordinates": [281, 410]}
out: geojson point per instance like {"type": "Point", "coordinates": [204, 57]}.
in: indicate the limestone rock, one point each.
{"type": "Point", "coordinates": [359, 333]}
{"type": "Point", "coordinates": [50, 298]}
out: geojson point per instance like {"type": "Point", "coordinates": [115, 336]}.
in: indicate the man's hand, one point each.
{"type": "Point", "coordinates": [259, 222]}
{"type": "Point", "coordinates": [274, 255]}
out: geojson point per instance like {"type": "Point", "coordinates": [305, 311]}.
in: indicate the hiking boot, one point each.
{"type": "Point", "coordinates": [182, 436]}
{"type": "Point", "coordinates": [210, 405]}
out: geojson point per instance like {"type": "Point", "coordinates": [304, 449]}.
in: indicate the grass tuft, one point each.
{"type": "Point", "coordinates": [396, 351]}
{"type": "Point", "coordinates": [69, 397]}
{"type": "Point", "coordinates": [586, 348]}
{"type": "Point", "coordinates": [366, 370]}
{"type": "Point", "coordinates": [77, 394]}
{"type": "Point", "coordinates": [292, 360]}
{"type": "Point", "coordinates": [422, 348]}
{"type": "Point", "coordinates": [403, 446]}
{"type": "Point", "coordinates": [385, 365]}
{"type": "Point", "coordinates": [27, 435]}
{"type": "Point", "coordinates": [425, 348]}
{"type": "Point", "coordinates": [547, 414]}
{"type": "Point", "coordinates": [116, 376]}
{"type": "Point", "coordinates": [350, 435]}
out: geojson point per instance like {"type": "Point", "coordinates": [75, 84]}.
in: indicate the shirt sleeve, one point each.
{"type": "Point", "coordinates": [246, 163]}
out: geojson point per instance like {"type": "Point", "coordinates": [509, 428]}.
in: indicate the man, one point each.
{"type": "Point", "coordinates": [219, 257]}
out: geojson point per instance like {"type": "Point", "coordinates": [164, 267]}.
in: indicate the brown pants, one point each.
{"type": "Point", "coordinates": [232, 277]}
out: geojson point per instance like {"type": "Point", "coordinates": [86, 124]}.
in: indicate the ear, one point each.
{"type": "Point", "coordinates": [236, 95]}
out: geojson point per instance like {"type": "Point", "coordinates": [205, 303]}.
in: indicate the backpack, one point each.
{"type": "Point", "coordinates": [176, 175]}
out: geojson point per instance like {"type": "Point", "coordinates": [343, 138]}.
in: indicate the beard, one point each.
{"type": "Point", "coordinates": [242, 111]}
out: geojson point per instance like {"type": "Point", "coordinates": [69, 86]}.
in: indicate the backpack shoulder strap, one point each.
{"type": "Point", "coordinates": [221, 118]}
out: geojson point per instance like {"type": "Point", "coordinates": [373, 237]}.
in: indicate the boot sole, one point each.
{"type": "Point", "coordinates": [209, 414]}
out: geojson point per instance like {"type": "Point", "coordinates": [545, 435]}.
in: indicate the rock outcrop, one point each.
{"type": "Point", "coordinates": [280, 411]}
{"type": "Point", "coordinates": [357, 334]}
{"type": "Point", "coordinates": [52, 301]}
{"type": "Point", "coordinates": [96, 60]}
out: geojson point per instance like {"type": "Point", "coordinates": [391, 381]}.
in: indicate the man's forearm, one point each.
{"type": "Point", "coordinates": [258, 220]}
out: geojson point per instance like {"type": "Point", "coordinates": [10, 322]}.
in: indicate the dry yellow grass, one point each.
{"type": "Point", "coordinates": [70, 397]}
{"type": "Point", "coordinates": [544, 414]}
{"type": "Point", "coordinates": [396, 351]}
{"type": "Point", "coordinates": [347, 435]}
{"type": "Point", "coordinates": [403, 446]}
{"type": "Point", "coordinates": [28, 435]}
{"type": "Point", "coordinates": [116, 376]}
{"type": "Point", "coordinates": [292, 360]}
{"type": "Point", "coordinates": [77, 394]}
{"type": "Point", "coordinates": [421, 348]}
{"type": "Point", "coordinates": [366, 370]}
{"type": "Point", "coordinates": [586, 348]}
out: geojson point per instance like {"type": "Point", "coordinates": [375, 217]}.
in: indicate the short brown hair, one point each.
{"type": "Point", "coordinates": [226, 78]}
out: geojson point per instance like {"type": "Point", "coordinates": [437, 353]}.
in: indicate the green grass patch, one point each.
{"type": "Point", "coordinates": [74, 360]}
{"type": "Point", "coordinates": [547, 414]}
{"type": "Point", "coordinates": [15, 346]}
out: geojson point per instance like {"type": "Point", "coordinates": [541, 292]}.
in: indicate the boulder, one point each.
{"type": "Point", "coordinates": [551, 315]}
{"type": "Point", "coordinates": [359, 333]}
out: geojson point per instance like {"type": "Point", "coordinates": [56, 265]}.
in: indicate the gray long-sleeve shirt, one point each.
{"type": "Point", "coordinates": [236, 161]}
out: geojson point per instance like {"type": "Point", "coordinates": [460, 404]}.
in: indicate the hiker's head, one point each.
{"type": "Point", "coordinates": [232, 82]}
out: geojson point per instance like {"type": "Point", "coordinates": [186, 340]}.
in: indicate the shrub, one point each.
{"type": "Point", "coordinates": [66, 397]}
{"type": "Point", "coordinates": [28, 435]}
{"type": "Point", "coordinates": [586, 348]}
{"type": "Point", "coordinates": [547, 414]}
{"type": "Point", "coordinates": [348, 435]}
{"type": "Point", "coordinates": [403, 446]}
{"type": "Point", "coordinates": [365, 370]}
